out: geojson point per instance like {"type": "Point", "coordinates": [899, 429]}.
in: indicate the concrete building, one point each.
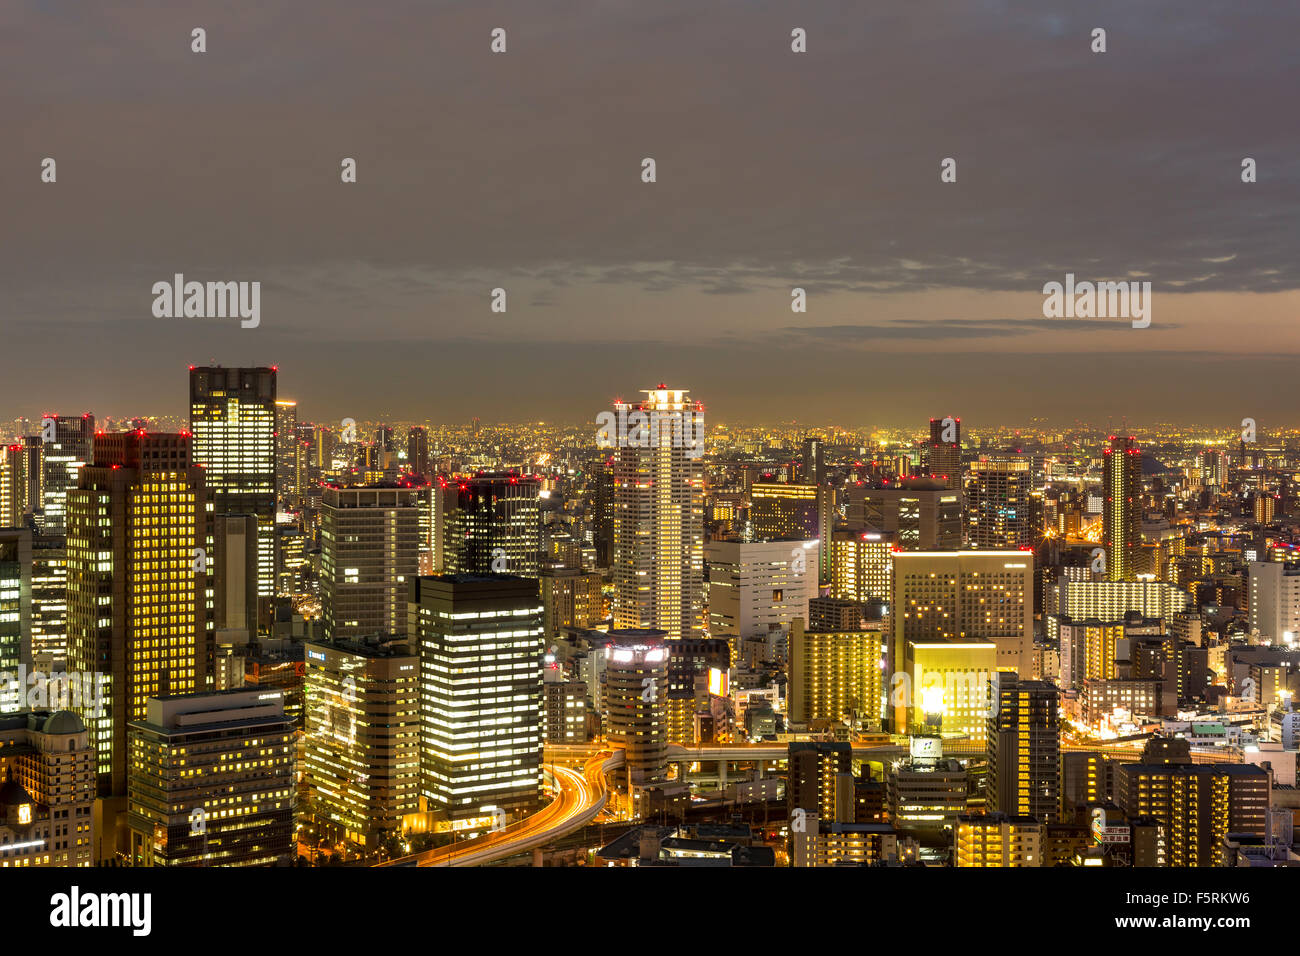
{"type": "Point", "coordinates": [47, 790]}
{"type": "Point", "coordinates": [369, 554]}
{"type": "Point", "coordinates": [836, 676]}
{"type": "Point", "coordinates": [758, 587]}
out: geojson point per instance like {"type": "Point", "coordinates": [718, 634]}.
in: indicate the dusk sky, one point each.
{"type": "Point", "coordinates": [774, 170]}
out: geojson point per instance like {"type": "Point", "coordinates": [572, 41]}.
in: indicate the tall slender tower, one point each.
{"type": "Point", "coordinates": [66, 441]}
{"type": "Point", "coordinates": [287, 453]}
{"type": "Point", "coordinates": [944, 451]}
{"type": "Point", "coordinates": [659, 518]}
{"type": "Point", "coordinates": [1121, 520]}
{"type": "Point", "coordinates": [233, 418]}
{"type": "Point", "coordinates": [138, 584]}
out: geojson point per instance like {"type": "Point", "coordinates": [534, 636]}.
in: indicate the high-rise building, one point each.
{"type": "Point", "coordinates": [1002, 507]}
{"type": "Point", "coordinates": [49, 601]}
{"type": "Point", "coordinates": [67, 444]}
{"type": "Point", "coordinates": [926, 790]}
{"type": "Point", "coordinates": [13, 485]}
{"type": "Point", "coordinates": [944, 686]}
{"type": "Point", "coordinates": [566, 712]}
{"type": "Point", "coordinates": [362, 760]}
{"type": "Point", "coordinates": [943, 453]}
{"type": "Point", "coordinates": [570, 598]}
{"type": "Point", "coordinates": [47, 790]}
{"type": "Point", "coordinates": [233, 416]}
{"type": "Point", "coordinates": [1274, 597]}
{"type": "Point", "coordinates": [139, 584]}
{"type": "Point", "coordinates": [369, 553]}
{"type": "Point", "coordinates": [212, 781]}
{"type": "Point", "coordinates": [636, 702]}
{"type": "Point", "coordinates": [1122, 512]}
{"type": "Point", "coordinates": [234, 539]}
{"type": "Point", "coordinates": [759, 587]}
{"type": "Point", "coordinates": [289, 458]}
{"type": "Point", "coordinates": [918, 513]}
{"type": "Point", "coordinates": [1023, 744]}
{"type": "Point", "coordinates": [966, 596]}
{"type": "Point", "coordinates": [481, 645]}
{"type": "Point", "coordinates": [862, 564]}
{"type": "Point", "coordinates": [603, 507]}
{"type": "Point", "coordinates": [835, 676]}
{"type": "Point", "coordinates": [496, 527]}
{"type": "Point", "coordinates": [15, 615]}
{"type": "Point", "coordinates": [417, 452]}
{"type": "Point", "coordinates": [813, 469]}
{"type": "Point", "coordinates": [811, 775]}
{"type": "Point", "coordinates": [781, 510]}
{"type": "Point", "coordinates": [659, 525]}
{"type": "Point", "coordinates": [1199, 804]}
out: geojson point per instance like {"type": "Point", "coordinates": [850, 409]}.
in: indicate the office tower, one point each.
{"type": "Point", "coordinates": [212, 781]}
{"type": "Point", "coordinates": [862, 565]}
{"type": "Point", "coordinates": [33, 468]}
{"type": "Point", "coordinates": [1199, 804]}
{"type": "Point", "coordinates": [1122, 513]}
{"type": "Point", "coordinates": [570, 598]}
{"type": "Point", "coordinates": [918, 513]}
{"type": "Point", "coordinates": [759, 587]}
{"type": "Point", "coordinates": [998, 839]}
{"type": "Point", "coordinates": [659, 525]}
{"type": "Point", "coordinates": [812, 769]}
{"type": "Point", "coordinates": [288, 458]}
{"type": "Point", "coordinates": [480, 643]}
{"type": "Point", "coordinates": [67, 443]}
{"type": "Point", "coordinates": [234, 568]}
{"type": "Point", "coordinates": [47, 790]}
{"type": "Point", "coordinates": [496, 527]}
{"type": "Point", "coordinates": [233, 419]}
{"type": "Point", "coordinates": [291, 547]}
{"type": "Point", "coordinates": [1023, 745]}
{"type": "Point", "coordinates": [1275, 600]}
{"type": "Point", "coordinates": [813, 470]}
{"type": "Point", "coordinates": [362, 761]}
{"type": "Point", "coordinates": [836, 676]}
{"type": "Point", "coordinates": [636, 697]}
{"type": "Point", "coordinates": [926, 790]}
{"type": "Point", "coordinates": [13, 485]}
{"type": "Point", "coordinates": [565, 712]}
{"type": "Point", "coordinates": [15, 615]}
{"type": "Point", "coordinates": [943, 453]}
{"type": "Point", "coordinates": [139, 584]}
{"type": "Point", "coordinates": [603, 506]}
{"type": "Point", "coordinates": [1003, 511]}
{"type": "Point", "coordinates": [369, 553]}
{"type": "Point", "coordinates": [943, 685]}
{"type": "Point", "coordinates": [966, 596]}
{"type": "Point", "coordinates": [49, 645]}
{"type": "Point", "coordinates": [779, 510]}
{"type": "Point", "coordinates": [417, 452]}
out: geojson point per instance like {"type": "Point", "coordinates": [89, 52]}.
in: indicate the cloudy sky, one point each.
{"type": "Point", "coordinates": [774, 170]}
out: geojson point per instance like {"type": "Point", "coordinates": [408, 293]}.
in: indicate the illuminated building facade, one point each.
{"type": "Point", "coordinates": [1274, 589]}
{"type": "Point", "coordinates": [15, 614]}
{"type": "Point", "coordinates": [659, 526]}
{"type": "Point", "coordinates": [67, 444]}
{"type": "Point", "coordinates": [362, 757]}
{"type": "Point", "coordinates": [781, 510]}
{"type": "Point", "coordinates": [47, 790]}
{"type": "Point", "coordinates": [1023, 745]}
{"type": "Point", "coordinates": [1122, 513]}
{"type": "Point", "coordinates": [636, 699]}
{"type": "Point", "coordinates": [998, 839]}
{"type": "Point", "coordinates": [757, 587]}
{"type": "Point", "coordinates": [918, 513]}
{"type": "Point", "coordinates": [835, 676]}
{"type": "Point", "coordinates": [943, 458]}
{"type": "Point", "coordinates": [212, 781]}
{"type": "Point", "coordinates": [233, 416]}
{"type": "Point", "coordinates": [496, 526]}
{"type": "Point", "coordinates": [139, 583]}
{"type": "Point", "coordinates": [481, 645]}
{"type": "Point", "coordinates": [1003, 511]}
{"type": "Point", "coordinates": [49, 601]}
{"type": "Point", "coordinates": [812, 771]}
{"type": "Point", "coordinates": [862, 566]}
{"type": "Point", "coordinates": [947, 680]}
{"type": "Point", "coordinates": [370, 543]}
{"type": "Point", "coordinates": [966, 596]}
{"type": "Point", "coordinates": [290, 458]}
{"type": "Point", "coordinates": [13, 485]}
{"type": "Point", "coordinates": [570, 598]}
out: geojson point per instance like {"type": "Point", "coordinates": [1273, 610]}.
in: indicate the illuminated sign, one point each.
{"type": "Point", "coordinates": [316, 655]}
{"type": "Point", "coordinates": [25, 813]}
{"type": "Point", "coordinates": [718, 682]}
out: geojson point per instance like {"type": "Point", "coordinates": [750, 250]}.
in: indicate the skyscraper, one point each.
{"type": "Point", "coordinates": [288, 454]}
{"type": "Point", "coordinates": [944, 451]}
{"type": "Point", "coordinates": [496, 526]}
{"type": "Point", "coordinates": [13, 485]}
{"type": "Point", "coordinates": [757, 587]}
{"type": "Point", "coordinates": [15, 615]}
{"type": "Point", "coordinates": [793, 510]}
{"type": "Point", "coordinates": [233, 417]}
{"type": "Point", "coordinates": [1122, 514]}
{"type": "Point", "coordinates": [1023, 743]}
{"type": "Point", "coordinates": [370, 551]}
{"type": "Point", "coordinates": [922, 513]}
{"type": "Point", "coordinates": [659, 526]}
{"type": "Point", "coordinates": [139, 586]}
{"type": "Point", "coordinates": [480, 644]}
{"type": "Point", "coordinates": [1002, 509]}
{"type": "Point", "coordinates": [417, 452]}
{"type": "Point", "coordinates": [67, 443]}
{"type": "Point", "coordinates": [636, 702]}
